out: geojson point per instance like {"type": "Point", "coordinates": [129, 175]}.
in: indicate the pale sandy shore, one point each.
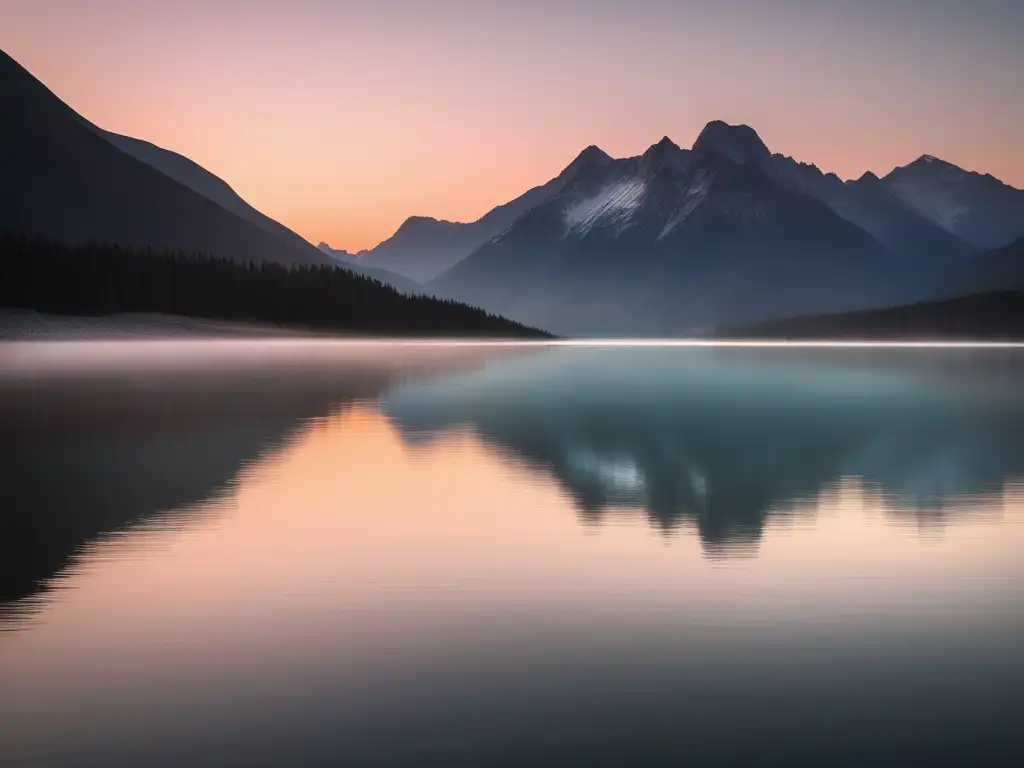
{"type": "Point", "coordinates": [17, 325]}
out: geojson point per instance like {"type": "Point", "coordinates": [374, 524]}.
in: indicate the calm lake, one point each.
{"type": "Point", "coordinates": [324, 553]}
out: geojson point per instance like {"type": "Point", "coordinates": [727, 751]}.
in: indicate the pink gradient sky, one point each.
{"type": "Point", "coordinates": [340, 119]}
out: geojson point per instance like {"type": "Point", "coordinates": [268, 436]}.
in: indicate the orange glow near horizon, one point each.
{"type": "Point", "coordinates": [341, 119]}
{"type": "Point", "coordinates": [316, 558]}
{"type": "Point", "coordinates": [325, 509]}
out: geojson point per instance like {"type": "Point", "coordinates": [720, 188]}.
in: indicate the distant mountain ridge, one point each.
{"type": "Point", "coordinates": [871, 204]}
{"type": "Point", "coordinates": [66, 178]}
{"type": "Point", "coordinates": [680, 241]}
{"type": "Point", "coordinates": [976, 207]}
{"type": "Point", "coordinates": [675, 241]}
{"type": "Point", "coordinates": [200, 180]}
{"type": "Point", "coordinates": [212, 187]}
{"type": "Point", "coordinates": [897, 213]}
{"type": "Point", "coordinates": [997, 269]}
{"type": "Point", "coordinates": [994, 316]}
{"type": "Point", "coordinates": [342, 256]}
{"type": "Point", "coordinates": [422, 247]}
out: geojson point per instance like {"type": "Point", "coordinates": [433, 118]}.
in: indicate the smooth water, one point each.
{"type": "Point", "coordinates": [315, 553]}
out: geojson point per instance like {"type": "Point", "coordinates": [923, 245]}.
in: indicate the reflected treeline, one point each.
{"type": "Point", "coordinates": [727, 438]}
{"type": "Point", "coordinates": [99, 437]}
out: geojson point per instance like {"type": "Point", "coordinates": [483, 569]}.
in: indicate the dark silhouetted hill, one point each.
{"type": "Point", "coordinates": [97, 279]}
{"type": "Point", "coordinates": [63, 179]}
{"type": "Point", "coordinates": [994, 316]}
{"type": "Point", "coordinates": [978, 208]}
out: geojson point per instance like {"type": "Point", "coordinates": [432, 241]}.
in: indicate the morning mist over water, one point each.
{"type": "Point", "coordinates": [511, 383]}
{"type": "Point", "coordinates": [320, 552]}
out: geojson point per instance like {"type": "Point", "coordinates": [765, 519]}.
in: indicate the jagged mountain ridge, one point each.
{"type": "Point", "coordinates": [656, 244]}
{"type": "Point", "coordinates": [675, 241]}
{"type": "Point", "coordinates": [423, 247]}
{"type": "Point", "coordinates": [341, 255]}
{"type": "Point", "coordinates": [976, 207]}
{"type": "Point", "coordinates": [872, 205]}
{"type": "Point", "coordinates": [91, 193]}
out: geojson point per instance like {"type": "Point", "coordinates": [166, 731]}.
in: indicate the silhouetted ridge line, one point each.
{"type": "Point", "coordinates": [98, 279]}
{"type": "Point", "coordinates": [64, 179]}
{"type": "Point", "coordinates": [993, 316]}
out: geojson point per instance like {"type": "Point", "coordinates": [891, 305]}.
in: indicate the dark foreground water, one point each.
{"type": "Point", "coordinates": [261, 553]}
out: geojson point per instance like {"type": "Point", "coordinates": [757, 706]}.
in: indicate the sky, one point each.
{"type": "Point", "coordinates": [341, 118]}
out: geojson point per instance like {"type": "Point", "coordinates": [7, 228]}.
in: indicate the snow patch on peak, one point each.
{"type": "Point", "coordinates": [695, 194]}
{"type": "Point", "coordinates": [942, 209]}
{"type": "Point", "coordinates": [929, 158]}
{"type": "Point", "coordinates": [614, 204]}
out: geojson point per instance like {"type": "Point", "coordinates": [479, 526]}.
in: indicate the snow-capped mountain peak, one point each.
{"type": "Point", "coordinates": [974, 206]}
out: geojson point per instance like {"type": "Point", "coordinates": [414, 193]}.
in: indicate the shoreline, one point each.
{"type": "Point", "coordinates": [29, 325]}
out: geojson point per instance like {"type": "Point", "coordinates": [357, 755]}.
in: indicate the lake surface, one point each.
{"type": "Point", "coordinates": [318, 553]}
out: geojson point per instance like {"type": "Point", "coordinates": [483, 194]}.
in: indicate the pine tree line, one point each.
{"type": "Point", "coordinates": [95, 279]}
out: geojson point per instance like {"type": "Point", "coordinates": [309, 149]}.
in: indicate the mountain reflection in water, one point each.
{"type": "Point", "coordinates": [357, 554]}
{"type": "Point", "coordinates": [725, 439]}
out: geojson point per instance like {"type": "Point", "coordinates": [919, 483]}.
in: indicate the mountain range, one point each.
{"type": "Point", "coordinates": [674, 241]}
{"type": "Point", "coordinates": [990, 316]}
{"type": "Point", "coordinates": [681, 241]}
{"type": "Point", "coordinates": [67, 179]}
{"type": "Point", "coordinates": [725, 441]}
{"type": "Point", "coordinates": [422, 248]}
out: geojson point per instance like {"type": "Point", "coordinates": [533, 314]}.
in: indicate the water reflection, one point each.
{"type": "Point", "coordinates": [103, 436]}
{"type": "Point", "coordinates": [330, 556]}
{"type": "Point", "coordinates": [723, 440]}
